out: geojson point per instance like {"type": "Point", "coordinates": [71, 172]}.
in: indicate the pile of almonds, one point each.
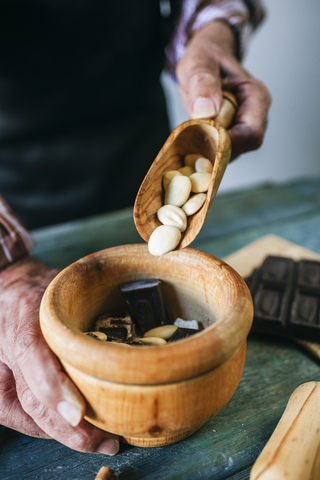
{"type": "Point", "coordinates": [185, 193]}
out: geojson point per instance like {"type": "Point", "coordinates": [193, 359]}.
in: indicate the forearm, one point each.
{"type": "Point", "coordinates": [217, 34]}
{"type": "Point", "coordinates": [242, 16]}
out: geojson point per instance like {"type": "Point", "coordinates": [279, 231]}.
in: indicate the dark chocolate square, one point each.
{"type": "Point", "coordinates": [270, 303]}
{"type": "Point", "coordinates": [308, 277]}
{"type": "Point", "coordinates": [305, 309]}
{"type": "Point", "coordinates": [146, 303]}
{"type": "Point", "coordinates": [277, 271]}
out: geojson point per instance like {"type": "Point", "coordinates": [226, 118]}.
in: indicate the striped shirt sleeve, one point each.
{"type": "Point", "coordinates": [15, 241]}
{"type": "Point", "coordinates": [243, 16]}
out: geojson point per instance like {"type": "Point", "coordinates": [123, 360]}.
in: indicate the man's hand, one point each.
{"type": "Point", "coordinates": [208, 66]}
{"type": "Point", "coordinates": [36, 396]}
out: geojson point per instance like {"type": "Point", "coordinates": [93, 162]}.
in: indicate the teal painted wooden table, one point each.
{"type": "Point", "coordinates": [227, 445]}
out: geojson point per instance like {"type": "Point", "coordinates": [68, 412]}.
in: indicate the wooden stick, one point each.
{"type": "Point", "coordinates": [105, 473]}
{"type": "Point", "coordinates": [292, 452]}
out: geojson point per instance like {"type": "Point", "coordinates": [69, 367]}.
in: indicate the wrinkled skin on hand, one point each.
{"type": "Point", "coordinates": [33, 385]}
{"type": "Point", "coordinates": [209, 65]}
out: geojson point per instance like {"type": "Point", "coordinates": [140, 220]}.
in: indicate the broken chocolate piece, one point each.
{"type": "Point", "coordinates": [286, 298]}
{"type": "Point", "coordinates": [181, 333]}
{"type": "Point", "coordinates": [146, 303]}
{"type": "Point", "coordinates": [118, 327]}
{"type": "Point", "coordinates": [115, 334]}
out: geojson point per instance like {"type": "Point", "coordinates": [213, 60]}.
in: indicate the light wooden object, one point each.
{"type": "Point", "coordinates": [151, 395]}
{"type": "Point", "coordinates": [205, 136]}
{"type": "Point", "coordinates": [293, 449]}
{"type": "Point", "coordinates": [105, 473]}
{"type": "Point", "coordinates": [246, 259]}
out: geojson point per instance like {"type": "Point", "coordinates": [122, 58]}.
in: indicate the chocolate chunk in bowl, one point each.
{"type": "Point", "coordinates": [145, 301]}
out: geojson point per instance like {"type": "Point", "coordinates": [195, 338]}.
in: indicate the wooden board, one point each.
{"type": "Point", "coordinates": [246, 259]}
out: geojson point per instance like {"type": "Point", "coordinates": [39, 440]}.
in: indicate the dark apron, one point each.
{"type": "Point", "coordinates": [82, 113]}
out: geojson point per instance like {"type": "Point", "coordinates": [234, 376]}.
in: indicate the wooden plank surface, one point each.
{"type": "Point", "coordinates": [227, 445]}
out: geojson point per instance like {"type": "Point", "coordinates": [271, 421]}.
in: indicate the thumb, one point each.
{"type": "Point", "coordinates": [200, 85]}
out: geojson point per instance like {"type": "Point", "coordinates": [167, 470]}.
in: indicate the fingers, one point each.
{"type": "Point", "coordinates": [83, 438]}
{"type": "Point", "coordinates": [38, 365]}
{"type": "Point", "coordinates": [12, 414]}
{"type": "Point", "coordinates": [24, 347]}
{"type": "Point", "coordinates": [44, 376]}
{"type": "Point", "coordinates": [49, 397]}
{"type": "Point", "coordinates": [38, 398]}
{"type": "Point", "coordinates": [199, 81]}
{"type": "Point", "coordinates": [251, 121]}
{"type": "Point", "coordinates": [21, 411]}
{"type": "Point", "coordinates": [200, 89]}
{"type": "Point", "coordinates": [199, 70]}
{"type": "Point", "coordinates": [207, 66]}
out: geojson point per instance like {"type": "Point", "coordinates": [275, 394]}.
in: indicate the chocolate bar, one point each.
{"type": "Point", "coordinates": [286, 298]}
{"type": "Point", "coordinates": [146, 303]}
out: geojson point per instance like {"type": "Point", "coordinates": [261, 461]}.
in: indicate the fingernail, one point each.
{"type": "Point", "coordinates": [109, 446]}
{"type": "Point", "coordinates": [203, 107]}
{"type": "Point", "coordinates": [70, 412]}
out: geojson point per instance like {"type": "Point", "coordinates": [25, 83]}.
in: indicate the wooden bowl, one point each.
{"type": "Point", "coordinates": [150, 395]}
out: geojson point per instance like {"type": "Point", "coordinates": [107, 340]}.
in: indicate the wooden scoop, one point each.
{"type": "Point", "coordinates": [205, 136]}
{"type": "Point", "coordinates": [293, 451]}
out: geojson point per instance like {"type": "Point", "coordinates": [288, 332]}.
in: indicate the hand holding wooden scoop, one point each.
{"type": "Point", "coordinates": [205, 136]}
{"type": "Point", "coordinates": [293, 451]}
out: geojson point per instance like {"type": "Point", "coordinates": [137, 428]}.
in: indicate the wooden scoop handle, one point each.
{"type": "Point", "coordinates": [293, 450]}
{"type": "Point", "coordinates": [228, 110]}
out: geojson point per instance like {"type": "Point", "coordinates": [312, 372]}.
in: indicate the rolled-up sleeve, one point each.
{"type": "Point", "coordinates": [15, 241]}
{"type": "Point", "coordinates": [243, 16]}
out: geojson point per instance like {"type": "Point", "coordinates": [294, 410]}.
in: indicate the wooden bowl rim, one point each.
{"type": "Point", "coordinates": [161, 364]}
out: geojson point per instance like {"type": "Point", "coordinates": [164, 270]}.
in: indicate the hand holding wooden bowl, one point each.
{"type": "Point", "coordinates": [150, 395]}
